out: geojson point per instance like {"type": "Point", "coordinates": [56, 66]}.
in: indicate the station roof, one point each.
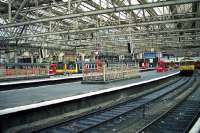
{"type": "Point", "coordinates": [93, 24]}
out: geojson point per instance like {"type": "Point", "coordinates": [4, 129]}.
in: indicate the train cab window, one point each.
{"type": "Point", "coordinates": [187, 63]}
{"type": "Point", "coordinates": [52, 66]}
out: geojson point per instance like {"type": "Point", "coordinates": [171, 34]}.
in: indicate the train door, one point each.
{"type": "Point", "coordinates": [80, 68]}
{"type": "Point", "coordinates": [65, 68]}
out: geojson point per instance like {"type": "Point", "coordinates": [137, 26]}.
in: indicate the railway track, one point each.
{"type": "Point", "coordinates": [179, 119]}
{"type": "Point", "coordinates": [104, 119]}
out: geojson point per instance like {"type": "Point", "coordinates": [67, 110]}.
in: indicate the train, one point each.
{"type": "Point", "coordinates": [187, 67]}
{"type": "Point", "coordinates": [197, 64]}
{"type": "Point", "coordinates": [161, 66]}
{"type": "Point", "coordinates": [73, 67]}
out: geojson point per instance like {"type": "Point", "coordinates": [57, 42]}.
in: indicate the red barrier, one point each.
{"type": "Point", "coordinates": [8, 72]}
{"type": "Point", "coordinates": [23, 71]}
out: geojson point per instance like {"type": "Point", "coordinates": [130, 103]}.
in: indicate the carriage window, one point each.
{"type": "Point", "coordinates": [71, 66]}
{"type": "Point", "coordinates": [79, 66]}
{"type": "Point", "coordinates": [60, 66]}
{"type": "Point", "coordinates": [93, 65]}
{"type": "Point", "coordinates": [87, 65]}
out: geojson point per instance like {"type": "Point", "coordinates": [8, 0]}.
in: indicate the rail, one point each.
{"type": "Point", "coordinates": [180, 117]}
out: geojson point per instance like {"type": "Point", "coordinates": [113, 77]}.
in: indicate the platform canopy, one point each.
{"type": "Point", "coordinates": [86, 24]}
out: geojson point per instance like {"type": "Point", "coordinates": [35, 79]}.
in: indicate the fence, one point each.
{"type": "Point", "coordinates": [109, 73]}
{"type": "Point", "coordinates": [23, 70]}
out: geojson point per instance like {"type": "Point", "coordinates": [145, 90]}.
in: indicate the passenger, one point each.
{"type": "Point", "coordinates": [106, 62]}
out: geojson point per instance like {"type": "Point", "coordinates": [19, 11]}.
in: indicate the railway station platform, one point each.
{"type": "Point", "coordinates": [39, 80]}
{"type": "Point", "coordinates": [34, 97]}
{"type": "Point", "coordinates": [21, 78]}
{"type": "Point", "coordinates": [13, 80]}
{"type": "Point", "coordinates": [147, 69]}
{"type": "Point", "coordinates": [196, 127]}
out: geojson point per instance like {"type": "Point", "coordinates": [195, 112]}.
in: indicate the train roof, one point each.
{"type": "Point", "coordinates": [187, 59]}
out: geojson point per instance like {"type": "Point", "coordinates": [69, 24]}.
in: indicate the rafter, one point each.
{"type": "Point", "coordinates": [113, 27]}
{"type": "Point", "coordinates": [104, 11]}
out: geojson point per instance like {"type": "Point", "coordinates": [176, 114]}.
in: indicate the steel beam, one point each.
{"type": "Point", "coordinates": [148, 38]}
{"type": "Point", "coordinates": [20, 8]}
{"type": "Point", "coordinates": [9, 11]}
{"type": "Point", "coordinates": [110, 27]}
{"type": "Point", "coordinates": [104, 11]}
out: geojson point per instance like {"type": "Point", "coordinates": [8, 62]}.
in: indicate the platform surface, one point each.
{"type": "Point", "coordinates": [52, 78]}
{"type": "Point", "coordinates": [33, 95]}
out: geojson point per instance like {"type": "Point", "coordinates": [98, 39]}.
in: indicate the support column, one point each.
{"type": "Point", "coordinates": [69, 6]}
{"type": "Point", "coordinates": [9, 11]}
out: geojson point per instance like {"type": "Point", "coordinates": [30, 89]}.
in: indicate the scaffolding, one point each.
{"type": "Point", "coordinates": [107, 73]}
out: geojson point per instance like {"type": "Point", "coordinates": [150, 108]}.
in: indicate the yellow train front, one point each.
{"type": "Point", "coordinates": [187, 67]}
{"type": "Point", "coordinates": [67, 68]}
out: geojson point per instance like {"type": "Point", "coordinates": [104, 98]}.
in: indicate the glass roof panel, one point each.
{"type": "Point", "coordinates": [2, 21]}
{"type": "Point", "coordinates": [161, 10]}
{"type": "Point", "coordinates": [43, 12]}
{"type": "Point", "coordinates": [68, 20]}
{"type": "Point", "coordinates": [4, 1]}
{"type": "Point", "coordinates": [158, 11]}
{"type": "Point", "coordinates": [132, 2]}
{"type": "Point", "coordinates": [104, 3]}
{"type": "Point", "coordinates": [126, 2]}
{"type": "Point", "coordinates": [65, 0]}
{"type": "Point", "coordinates": [150, 1]}
{"type": "Point", "coordinates": [146, 13]}
{"type": "Point", "coordinates": [104, 17]}
{"type": "Point", "coordinates": [88, 19]}
{"type": "Point", "coordinates": [184, 8]}
{"type": "Point", "coordinates": [86, 7]}
{"type": "Point", "coordinates": [57, 9]}
{"type": "Point", "coordinates": [121, 15]}
{"type": "Point", "coordinates": [138, 13]}
{"type": "Point", "coordinates": [31, 16]}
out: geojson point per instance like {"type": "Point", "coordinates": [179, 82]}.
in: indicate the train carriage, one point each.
{"type": "Point", "coordinates": [161, 66]}
{"type": "Point", "coordinates": [197, 64]}
{"type": "Point", "coordinates": [186, 67]}
{"type": "Point", "coordinates": [72, 67]}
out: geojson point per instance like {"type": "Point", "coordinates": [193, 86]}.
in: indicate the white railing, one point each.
{"type": "Point", "coordinates": [110, 72]}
